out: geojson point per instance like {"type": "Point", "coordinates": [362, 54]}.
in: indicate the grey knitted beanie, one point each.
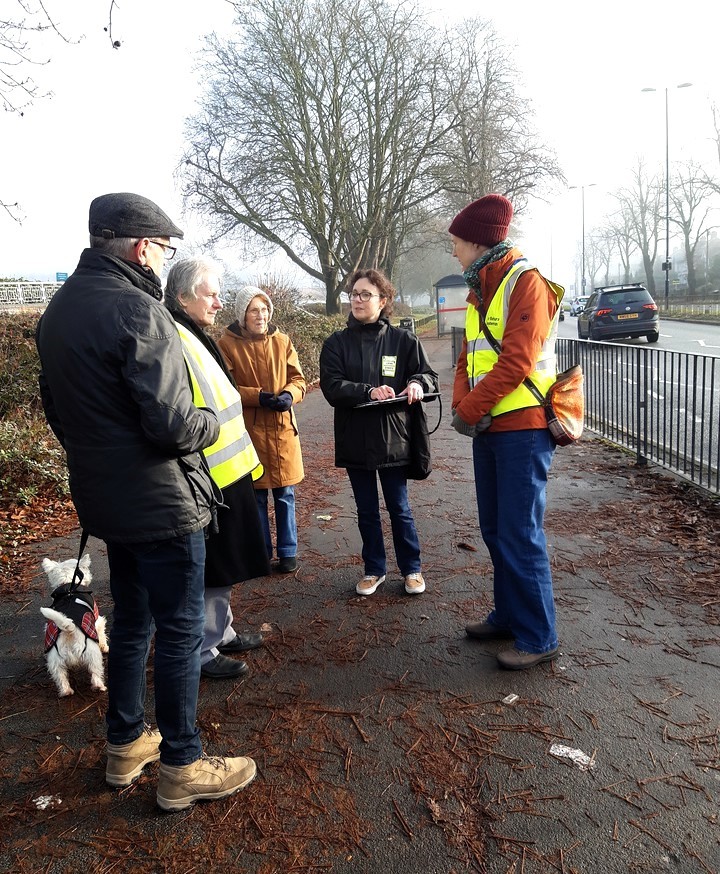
{"type": "Point", "coordinates": [243, 298]}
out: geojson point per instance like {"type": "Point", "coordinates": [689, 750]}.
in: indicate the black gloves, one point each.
{"type": "Point", "coordinates": [266, 399]}
{"type": "Point", "coordinates": [282, 402]}
{"type": "Point", "coordinates": [279, 403]}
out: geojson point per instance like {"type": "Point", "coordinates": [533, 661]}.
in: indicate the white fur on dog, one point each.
{"type": "Point", "coordinates": [73, 649]}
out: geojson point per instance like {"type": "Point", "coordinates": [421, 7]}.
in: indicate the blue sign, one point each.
{"type": "Point", "coordinates": [441, 300]}
{"type": "Point", "coordinates": [60, 277]}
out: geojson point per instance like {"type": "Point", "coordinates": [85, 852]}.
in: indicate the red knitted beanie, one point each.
{"type": "Point", "coordinates": [484, 221]}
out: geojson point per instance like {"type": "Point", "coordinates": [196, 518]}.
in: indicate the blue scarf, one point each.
{"type": "Point", "coordinates": [498, 251]}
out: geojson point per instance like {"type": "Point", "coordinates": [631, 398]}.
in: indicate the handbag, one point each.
{"type": "Point", "coordinates": [564, 403]}
{"type": "Point", "coordinates": [420, 465]}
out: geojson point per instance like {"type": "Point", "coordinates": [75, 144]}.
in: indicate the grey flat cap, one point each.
{"type": "Point", "coordinates": [129, 215]}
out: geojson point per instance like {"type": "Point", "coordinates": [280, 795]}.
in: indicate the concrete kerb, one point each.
{"type": "Point", "coordinates": [607, 760]}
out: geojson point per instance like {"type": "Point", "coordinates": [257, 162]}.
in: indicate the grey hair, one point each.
{"type": "Point", "coordinates": [120, 247]}
{"type": "Point", "coordinates": [184, 278]}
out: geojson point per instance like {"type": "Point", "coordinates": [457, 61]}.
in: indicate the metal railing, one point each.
{"type": "Point", "coordinates": [690, 310]}
{"type": "Point", "coordinates": [660, 404]}
{"type": "Point", "coordinates": [22, 294]}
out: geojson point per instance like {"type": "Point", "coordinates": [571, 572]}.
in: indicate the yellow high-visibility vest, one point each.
{"type": "Point", "coordinates": [481, 357]}
{"type": "Point", "coordinates": [232, 455]}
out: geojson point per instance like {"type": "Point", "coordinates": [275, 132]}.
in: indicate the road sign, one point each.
{"type": "Point", "coordinates": [60, 277]}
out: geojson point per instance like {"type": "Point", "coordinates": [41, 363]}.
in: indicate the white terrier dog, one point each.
{"type": "Point", "coordinates": [75, 631]}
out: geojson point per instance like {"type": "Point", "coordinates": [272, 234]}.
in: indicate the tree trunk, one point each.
{"type": "Point", "coordinates": [691, 273]}
{"type": "Point", "coordinates": [332, 294]}
{"type": "Point", "coordinates": [648, 264]}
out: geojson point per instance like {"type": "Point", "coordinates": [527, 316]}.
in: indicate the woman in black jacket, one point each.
{"type": "Point", "coordinates": [372, 361]}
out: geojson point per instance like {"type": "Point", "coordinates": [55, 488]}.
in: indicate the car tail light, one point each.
{"type": "Point", "coordinates": [603, 312]}
{"type": "Point", "coordinates": [649, 306]}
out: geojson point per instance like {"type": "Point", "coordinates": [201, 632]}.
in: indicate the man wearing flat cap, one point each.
{"type": "Point", "coordinates": [115, 392]}
{"type": "Point", "coordinates": [510, 331]}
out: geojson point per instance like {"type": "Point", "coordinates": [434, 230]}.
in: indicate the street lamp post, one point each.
{"type": "Point", "coordinates": [582, 201]}
{"type": "Point", "coordinates": [667, 266]}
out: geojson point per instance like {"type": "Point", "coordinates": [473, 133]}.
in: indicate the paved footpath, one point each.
{"type": "Point", "coordinates": [386, 741]}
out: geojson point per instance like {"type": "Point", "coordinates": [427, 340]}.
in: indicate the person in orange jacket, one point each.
{"type": "Point", "coordinates": [266, 368]}
{"type": "Point", "coordinates": [512, 446]}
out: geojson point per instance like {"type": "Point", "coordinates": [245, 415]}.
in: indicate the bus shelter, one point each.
{"type": "Point", "coordinates": [450, 294]}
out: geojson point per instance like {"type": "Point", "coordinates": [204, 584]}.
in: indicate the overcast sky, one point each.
{"type": "Point", "coordinates": [115, 120]}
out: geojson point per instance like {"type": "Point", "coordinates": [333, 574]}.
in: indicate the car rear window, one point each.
{"type": "Point", "coordinates": [618, 298]}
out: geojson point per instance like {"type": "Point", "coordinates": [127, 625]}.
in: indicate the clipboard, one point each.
{"type": "Point", "coordinates": [397, 399]}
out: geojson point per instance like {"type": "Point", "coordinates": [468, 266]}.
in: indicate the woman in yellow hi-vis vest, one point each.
{"type": "Point", "coordinates": [236, 550]}
{"type": "Point", "coordinates": [512, 447]}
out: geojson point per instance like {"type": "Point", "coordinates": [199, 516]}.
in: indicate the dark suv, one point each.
{"type": "Point", "coordinates": [619, 311]}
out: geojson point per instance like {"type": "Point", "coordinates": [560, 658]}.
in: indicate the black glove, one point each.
{"type": "Point", "coordinates": [282, 402]}
{"type": "Point", "coordinates": [267, 399]}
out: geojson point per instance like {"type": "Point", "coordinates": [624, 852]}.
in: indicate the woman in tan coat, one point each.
{"type": "Point", "coordinates": [266, 370]}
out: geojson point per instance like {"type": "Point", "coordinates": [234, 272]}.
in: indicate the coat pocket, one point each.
{"type": "Point", "coordinates": [197, 476]}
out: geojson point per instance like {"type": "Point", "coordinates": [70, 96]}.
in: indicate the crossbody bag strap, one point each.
{"type": "Point", "coordinates": [527, 382]}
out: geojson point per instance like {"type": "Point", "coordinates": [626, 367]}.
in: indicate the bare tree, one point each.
{"type": "Point", "coordinates": [642, 204]}
{"type": "Point", "coordinates": [316, 132]}
{"type": "Point", "coordinates": [689, 194]}
{"type": "Point", "coordinates": [495, 147]}
{"type": "Point", "coordinates": [621, 240]}
{"type": "Point", "coordinates": [715, 112]}
{"type": "Point", "coordinates": [599, 253]}
{"type": "Point", "coordinates": [18, 89]}
{"type": "Point", "coordinates": [426, 257]}
{"type": "Point", "coordinates": [323, 131]}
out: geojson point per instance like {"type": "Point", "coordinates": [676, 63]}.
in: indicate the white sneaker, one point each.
{"type": "Point", "coordinates": [368, 584]}
{"type": "Point", "coordinates": [414, 584]}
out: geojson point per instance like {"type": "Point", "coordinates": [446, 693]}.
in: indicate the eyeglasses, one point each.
{"type": "Point", "coordinates": [168, 251]}
{"type": "Point", "coordinates": [362, 295]}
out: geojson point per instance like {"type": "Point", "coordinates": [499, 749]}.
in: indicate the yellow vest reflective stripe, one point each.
{"type": "Point", "coordinates": [233, 455]}
{"type": "Point", "coordinates": [481, 357]}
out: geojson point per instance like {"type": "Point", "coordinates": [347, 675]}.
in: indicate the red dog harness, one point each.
{"type": "Point", "coordinates": [81, 607]}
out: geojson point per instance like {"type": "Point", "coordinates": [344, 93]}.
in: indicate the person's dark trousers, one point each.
{"type": "Point", "coordinates": [405, 540]}
{"type": "Point", "coordinates": [157, 586]}
{"type": "Point", "coordinates": [511, 471]}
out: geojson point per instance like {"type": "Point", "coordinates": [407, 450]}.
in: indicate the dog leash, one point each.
{"type": "Point", "coordinates": [77, 573]}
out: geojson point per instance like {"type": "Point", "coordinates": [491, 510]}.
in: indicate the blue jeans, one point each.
{"type": "Point", "coordinates": [158, 587]}
{"type": "Point", "coordinates": [285, 524]}
{"type": "Point", "coordinates": [511, 471]}
{"type": "Point", "coordinates": [405, 540]}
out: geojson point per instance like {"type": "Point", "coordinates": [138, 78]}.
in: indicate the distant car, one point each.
{"type": "Point", "coordinates": [578, 304]}
{"type": "Point", "coordinates": [616, 311]}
